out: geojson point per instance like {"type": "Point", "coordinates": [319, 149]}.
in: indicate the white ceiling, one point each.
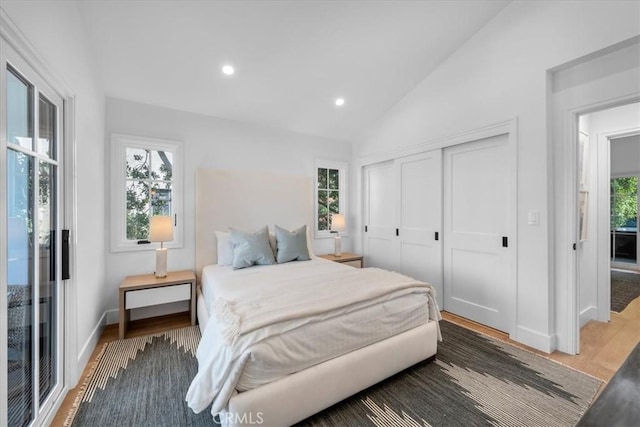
{"type": "Point", "coordinates": [292, 59]}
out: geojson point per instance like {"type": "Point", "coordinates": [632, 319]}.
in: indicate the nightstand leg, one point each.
{"type": "Point", "coordinates": [123, 316]}
{"type": "Point", "coordinates": [193, 303]}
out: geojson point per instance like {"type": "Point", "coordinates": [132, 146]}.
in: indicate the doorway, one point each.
{"type": "Point", "coordinates": [608, 171]}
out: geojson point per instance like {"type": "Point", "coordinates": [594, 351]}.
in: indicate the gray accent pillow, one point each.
{"type": "Point", "coordinates": [251, 248]}
{"type": "Point", "coordinates": [292, 245]}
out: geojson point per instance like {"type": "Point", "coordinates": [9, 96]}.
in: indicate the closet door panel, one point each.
{"type": "Point", "coordinates": [380, 201]}
{"type": "Point", "coordinates": [476, 223]}
{"type": "Point", "coordinates": [420, 217]}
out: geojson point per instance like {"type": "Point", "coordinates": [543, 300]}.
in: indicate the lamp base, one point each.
{"type": "Point", "coordinates": [161, 263]}
{"type": "Point", "coordinates": [338, 247]}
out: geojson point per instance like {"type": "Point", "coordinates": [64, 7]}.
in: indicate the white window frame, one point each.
{"type": "Point", "coordinates": [119, 145]}
{"type": "Point", "coordinates": [342, 167]}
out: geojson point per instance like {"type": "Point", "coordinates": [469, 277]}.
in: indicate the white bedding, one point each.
{"type": "Point", "coordinates": [270, 321]}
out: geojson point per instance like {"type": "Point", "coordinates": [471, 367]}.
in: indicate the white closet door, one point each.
{"type": "Point", "coordinates": [380, 200]}
{"type": "Point", "coordinates": [476, 218]}
{"type": "Point", "coordinates": [420, 218]}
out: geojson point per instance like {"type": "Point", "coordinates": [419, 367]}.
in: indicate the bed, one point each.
{"type": "Point", "coordinates": [279, 388]}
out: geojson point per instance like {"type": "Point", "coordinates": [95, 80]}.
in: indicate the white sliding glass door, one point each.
{"type": "Point", "coordinates": [30, 285]}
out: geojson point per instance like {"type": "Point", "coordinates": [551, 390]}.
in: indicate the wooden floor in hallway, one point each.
{"type": "Point", "coordinates": [603, 345]}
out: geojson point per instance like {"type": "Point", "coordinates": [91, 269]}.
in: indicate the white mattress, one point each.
{"type": "Point", "coordinates": [305, 346]}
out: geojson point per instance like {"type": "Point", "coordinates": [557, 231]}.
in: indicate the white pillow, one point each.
{"type": "Point", "coordinates": [225, 248]}
{"type": "Point", "coordinates": [310, 244]}
{"type": "Point", "coordinates": [273, 243]}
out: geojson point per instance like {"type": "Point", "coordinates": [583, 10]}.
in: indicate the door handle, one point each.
{"type": "Point", "coordinates": [397, 232]}
{"type": "Point", "coordinates": [505, 242]}
{"type": "Point", "coordinates": [437, 236]}
{"type": "Point", "coordinates": [65, 255]}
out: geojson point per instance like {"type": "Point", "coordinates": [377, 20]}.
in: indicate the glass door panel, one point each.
{"type": "Point", "coordinates": [19, 111]}
{"type": "Point", "coordinates": [20, 280]}
{"type": "Point", "coordinates": [47, 128]}
{"type": "Point", "coordinates": [33, 296]}
{"type": "Point", "coordinates": [47, 269]}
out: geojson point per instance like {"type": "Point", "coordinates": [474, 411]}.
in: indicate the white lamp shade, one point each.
{"type": "Point", "coordinates": [161, 229]}
{"type": "Point", "coordinates": [338, 222]}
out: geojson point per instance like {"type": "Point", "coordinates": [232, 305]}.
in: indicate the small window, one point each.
{"type": "Point", "coordinates": [331, 194]}
{"type": "Point", "coordinates": [146, 181]}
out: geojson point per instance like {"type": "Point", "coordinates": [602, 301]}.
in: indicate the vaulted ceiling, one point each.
{"type": "Point", "coordinates": [292, 58]}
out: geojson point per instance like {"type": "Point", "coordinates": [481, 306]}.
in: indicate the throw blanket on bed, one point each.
{"type": "Point", "coordinates": [247, 311]}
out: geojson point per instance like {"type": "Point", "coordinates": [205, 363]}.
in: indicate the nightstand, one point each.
{"type": "Point", "coordinates": [147, 290]}
{"type": "Point", "coordinates": [354, 260]}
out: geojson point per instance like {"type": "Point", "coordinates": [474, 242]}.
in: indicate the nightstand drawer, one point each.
{"type": "Point", "coordinates": [154, 296]}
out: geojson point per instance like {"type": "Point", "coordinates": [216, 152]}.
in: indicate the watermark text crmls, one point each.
{"type": "Point", "coordinates": [251, 418]}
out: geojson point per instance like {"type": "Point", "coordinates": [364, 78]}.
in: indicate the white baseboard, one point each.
{"type": "Point", "coordinates": [112, 316]}
{"type": "Point", "coordinates": [587, 314]}
{"type": "Point", "coordinates": [535, 339]}
{"type": "Point", "coordinates": [90, 344]}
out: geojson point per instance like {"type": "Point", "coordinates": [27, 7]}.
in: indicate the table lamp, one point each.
{"type": "Point", "coordinates": [338, 225]}
{"type": "Point", "coordinates": [161, 230]}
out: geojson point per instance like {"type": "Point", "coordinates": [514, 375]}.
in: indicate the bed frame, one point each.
{"type": "Point", "coordinates": [249, 200]}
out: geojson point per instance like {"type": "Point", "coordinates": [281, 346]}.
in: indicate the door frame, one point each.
{"type": "Point", "coordinates": [567, 296]}
{"type": "Point", "coordinates": [596, 91]}
{"type": "Point", "coordinates": [508, 127]}
{"type": "Point", "coordinates": [13, 36]}
{"type": "Point", "coordinates": [603, 301]}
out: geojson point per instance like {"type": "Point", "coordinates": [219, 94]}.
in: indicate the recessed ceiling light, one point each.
{"type": "Point", "coordinates": [228, 70]}
{"type": "Point", "coordinates": [339, 102]}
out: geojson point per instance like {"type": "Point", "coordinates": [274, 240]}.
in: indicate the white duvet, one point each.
{"type": "Point", "coordinates": [254, 304]}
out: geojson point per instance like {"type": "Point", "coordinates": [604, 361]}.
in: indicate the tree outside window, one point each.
{"type": "Point", "coordinates": [148, 182]}
{"type": "Point", "coordinates": [624, 203]}
{"type": "Point", "coordinates": [328, 196]}
{"type": "Point", "coordinates": [331, 194]}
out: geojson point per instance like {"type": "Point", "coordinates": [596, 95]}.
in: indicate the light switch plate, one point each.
{"type": "Point", "coordinates": [533, 217]}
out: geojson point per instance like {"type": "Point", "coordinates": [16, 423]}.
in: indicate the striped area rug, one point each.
{"type": "Point", "coordinates": [141, 382]}
{"type": "Point", "coordinates": [474, 380]}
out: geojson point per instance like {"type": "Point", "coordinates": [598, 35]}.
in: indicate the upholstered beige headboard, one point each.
{"type": "Point", "coordinates": [247, 200]}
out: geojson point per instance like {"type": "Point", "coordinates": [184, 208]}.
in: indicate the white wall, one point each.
{"type": "Point", "coordinates": [499, 74]}
{"type": "Point", "coordinates": [216, 144]}
{"type": "Point", "coordinates": [55, 30]}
